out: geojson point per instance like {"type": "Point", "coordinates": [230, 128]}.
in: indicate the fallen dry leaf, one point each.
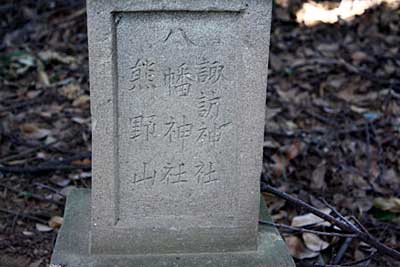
{"type": "Point", "coordinates": [297, 248]}
{"type": "Point", "coordinates": [79, 120]}
{"type": "Point", "coordinates": [39, 134]}
{"type": "Point", "coordinates": [294, 150]}
{"type": "Point", "coordinates": [271, 113]}
{"type": "Point", "coordinates": [71, 91]}
{"type": "Point", "coordinates": [54, 56]}
{"type": "Point", "coordinates": [358, 56]}
{"type": "Point", "coordinates": [82, 175]}
{"type": "Point", "coordinates": [391, 204]}
{"type": "Point", "coordinates": [56, 222]}
{"type": "Point", "coordinates": [28, 128]}
{"type": "Point", "coordinates": [318, 177]}
{"type": "Point", "coordinates": [33, 94]}
{"type": "Point", "coordinates": [43, 228]}
{"type": "Point", "coordinates": [32, 131]}
{"type": "Point", "coordinates": [310, 219]}
{"type": "Point", "coordinates": [81, 162]}
{"type": "Point", "coordinates": [28, 233]}
{"type": "Point", "coordinates": [271, 144]}
{"type": "Point", "coordinates": [328, 47]}
{"type": "Point", "coordinates": [81, 101]}
{"type": "Point", "coordinates": [279, 166]}
{"type": "Point", "coordinates": [43, 78]}
{"type": "Point", "coordinates": [314, 243]}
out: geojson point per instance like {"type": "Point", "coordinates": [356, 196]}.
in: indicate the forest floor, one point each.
{"type": "Point", "coordinates": [332, 128]}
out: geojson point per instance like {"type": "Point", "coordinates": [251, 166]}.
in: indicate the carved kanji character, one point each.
{"type": "Point", "coordinates": [142, 75]}
{"type": "Point", "coordinates": [209, 71]}
{"type": "Point", "coordinates": [211, 134]}
{"type": "Point", "coordinates": [142, 126]}
{"type": "Point", "coordinates": [174, 174]}
{"type": "Point", "coordinates": [205, 173]}
{"type": "Point", "coordinates": [208, 105]}
{"type": "Point", "coordinates": [178, 131]}
{"type": "Point", "coordinates": [179, 81]}
{"type": "Point", "coordinates": [145, 176]}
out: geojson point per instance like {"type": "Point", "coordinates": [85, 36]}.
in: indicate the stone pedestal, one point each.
{"type": "Point", "coordinates": [72, 247]}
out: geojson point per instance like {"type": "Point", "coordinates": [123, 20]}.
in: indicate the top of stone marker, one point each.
{"type": "Point", "coordinates": [168, 5]}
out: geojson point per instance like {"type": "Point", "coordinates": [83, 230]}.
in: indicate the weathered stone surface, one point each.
{"type": "Point", "coordinates": [178, 96]}
{"type": "Point", "coordinates": [72, 247]}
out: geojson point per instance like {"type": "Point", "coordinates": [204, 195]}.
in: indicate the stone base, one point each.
{"type": "Point", "coordinates": [72, 246]}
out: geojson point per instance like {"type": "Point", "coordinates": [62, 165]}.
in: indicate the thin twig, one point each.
{"type": "Point", "coordinates": [337, 213]}
{"type": "Point", "coordinates": [14, 222]}
{"type": "Point", "coordinates": [359, 224]}
{"type": "Point", "coordinates": [304, 230]}
{"type": "Point", "coordinates": [32, 195]}
{"type": "Point", "coordinates": [43, 168]}
{"type": "Point", "coordinates": [368, 151]}
{"type": "Point", "coordinates": [26, 152]}
{"type": "Point", "coordinates": [343, 248]}
{"type": "Point", "coordinates": [50, 165]}
{"type": "Point", "coordinates": [50, 189]}
{"type": "Point", "coordinates": [23, 215]}
{"type": "Point", "coordinates": [68, 160]}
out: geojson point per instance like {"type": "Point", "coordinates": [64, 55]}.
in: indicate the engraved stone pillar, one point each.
{"type": "Point", "coordinates": [178, 97]}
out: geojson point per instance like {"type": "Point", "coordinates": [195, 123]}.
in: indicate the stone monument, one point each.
{"type": "Point", "coordinates": [178, 93]}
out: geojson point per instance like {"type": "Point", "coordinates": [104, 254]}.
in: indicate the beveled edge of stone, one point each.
{"type": "Point", "coordinates": [167, 5]}
{"type": "Point", "coordinates": [72, 245]}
